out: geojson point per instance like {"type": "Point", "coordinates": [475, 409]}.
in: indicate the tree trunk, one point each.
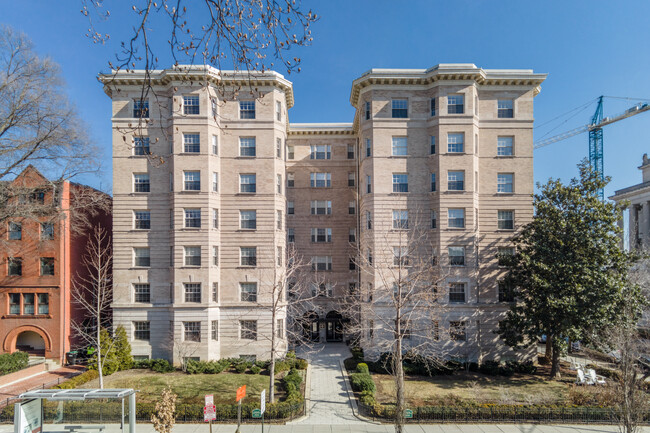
{"type": "Point", "coordinates": [272, 366]}
{"type": "Point", "coordinates": [555, 363]}
{"type": "Point", "coordinates": [399, 384]}
{"type": "Point", "coordinates": [549, 348]}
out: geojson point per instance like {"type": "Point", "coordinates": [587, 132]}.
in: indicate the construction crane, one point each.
{"type": "Point", "coordinates": [595, 129]}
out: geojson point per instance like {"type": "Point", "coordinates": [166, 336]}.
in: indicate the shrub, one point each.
{"type": "Point", "coordinates": [256, 369]}
{"type": "Point", "coordinates": [161, 366]}
{"type": "Point", "coordinates": [606, 372]}
{"type": "Point", "coordinates": [122, 349]}
{"type": "Point", "coordinates": [299, 364]}
{"type": "Point", "coordinates": [262, 364]}
{"type": "Point", "coordinates": [489, 367]}
{"type": "Point", "coordinates": [357, 353]}
{"type": "Point", "coordinates": [522, 367]}
{"type": "Point", "coordinates": [362, 367]}
{"type": "Point", "coordinates": [241, 367]}
{"type": "Point", "coordinates": [204, 367]}
{"type": "Point", "coordinates": [367, 398]}
{"type": "Point", "coordinates": [143, 363]}
{"type": "Point", "coordinates": [10, 362]}
{"type": "Point", "coordinates": [362, 382]}
{"type": "Point", "coordinates": [281, 366]}
{"type": "Point", "coordinates": [79, 380]}
{"type": "Point", "coordinates": [291, 355]}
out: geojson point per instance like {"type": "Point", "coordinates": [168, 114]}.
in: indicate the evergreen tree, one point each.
{"type": "Point", "coordinates": [109, 359]}
{"type": "Point", "coordinates": [569, 273]}
{"type": "Point", "coordinates": [122, 349]}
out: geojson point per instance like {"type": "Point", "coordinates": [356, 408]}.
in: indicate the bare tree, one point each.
{"type": "Point", "coordinates": [183, 349]}
{"type": "Point", "coordinates": [92, 292]}
{"type": "Point", "coordinates": [399, 312]}
{"type": "Point", "coordinates": [38, 125]}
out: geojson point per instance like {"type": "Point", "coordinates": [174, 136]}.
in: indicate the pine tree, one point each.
{"type": "Point", "coordinates": [122, 349]}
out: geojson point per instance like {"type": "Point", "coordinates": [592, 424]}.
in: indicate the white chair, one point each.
{"type": "Point", "coordinates": [582, 379]}
{"type": "Point", "coordinates": [596, 379]}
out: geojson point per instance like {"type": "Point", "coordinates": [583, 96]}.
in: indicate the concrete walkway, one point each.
{"type": "Point", "coordinates": [46, 379]}
{"type": "Point", "coordinates": [328, 401]}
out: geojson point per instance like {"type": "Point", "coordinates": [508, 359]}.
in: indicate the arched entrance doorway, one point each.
{"type": "Point", "coordinates": [310, 326]}
{"type": "Point", "coordinates": [30, 342]}
{"type": "Point", "coordinates": [333, 326]}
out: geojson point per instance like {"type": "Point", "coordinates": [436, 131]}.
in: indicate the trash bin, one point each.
{"type": "Point", "coordinates": [72, 357]}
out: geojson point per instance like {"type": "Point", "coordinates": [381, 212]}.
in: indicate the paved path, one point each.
{"type": "Point", "coordinates": [329, 402]}
{"type": "Point", "coordinates": [47, 378]}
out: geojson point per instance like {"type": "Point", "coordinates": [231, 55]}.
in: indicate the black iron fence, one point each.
{"type": "Point", "coordinates": [111, 412]}
{"type": "Point", "coordinates": [498, 414]}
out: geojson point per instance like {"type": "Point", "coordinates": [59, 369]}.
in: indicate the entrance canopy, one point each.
{"type": "Point", "coordinates": [77, 394]}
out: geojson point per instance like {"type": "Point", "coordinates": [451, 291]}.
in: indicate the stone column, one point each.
{"type": "Point", "coordinates": [633, 229]}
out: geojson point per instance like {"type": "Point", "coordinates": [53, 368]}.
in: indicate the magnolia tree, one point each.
{"type": "Point", "coordinates": [398, 310]}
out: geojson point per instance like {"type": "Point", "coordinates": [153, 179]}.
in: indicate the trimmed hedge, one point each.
{"type": "Point", "coordinates": [362, 382]}
{"type": "Point", "coordinates": [11, 362]}
{"type": "Point", "coordinates": [76, 381]}
{"type": "Point", "coordinates": [362, 367]}
{"type": "Point", "coordinates": [291, 384]}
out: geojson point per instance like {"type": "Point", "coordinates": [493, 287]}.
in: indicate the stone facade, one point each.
{"type": "Point", "coordinates": [470, 127]}
{"type": "Point", "coordinates": [638, 196]}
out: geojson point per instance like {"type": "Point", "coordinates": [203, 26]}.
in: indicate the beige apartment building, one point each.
{"type": "Point", "coordinates": [214, 185]}
{"type": "Point", "coordinates": [638, 197]}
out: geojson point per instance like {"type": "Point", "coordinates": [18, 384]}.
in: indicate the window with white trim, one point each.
{"type": "Point", "coordinates": [278, 111]}
{"type": "Point", "coordinates": [456, 218]}
{"type": "Point", "coordinates": [432, 107]}
{"type": "Point", "coordinates": [399, 146]}
{"type": "Point", "coordinates": [192, 256]}
{"type": "Point", "coordinates": [248, 292]}
{"type": "Point", "coordinates": [291, 235]}
{"type": "Point", "coordinates": [321, 263]}
{"type": "Point", "coordinates": [400, 256]}
{"type": "Point", "coordinates": [191, 181]}
{"type": "Point", "coordinates": [506, 219]}
{"type": "Point", "coordinates": [321, 151]}
{"type": "Point", "coordinates": [248, 256]}
{"type": "Point", "coordinates": [247, 183]}
{"type": "Point", "coordinates": [457, 331]}
{"type": "Point", "coordinates": [456, 256]}
{"type": "Point", "coordinates": [456, 292]}
{"type": "Point", "coordinates": [248, 219]}
{"type": "Point", "coordinates": [215, 145]}
{"type": "Point", "coordinates": [456, 104]}
{"type": "Point", "coordinates": [321, 235]}
{"type": "Point", "coordinates": [191, 143]}
{"type": "Point", "coordinates": [141, 220]}
{"type": "Point", "coordinates": [215, 218]}
{"type": "Point", "coordinates": [191, 104]}
{"type": "Point", "coordinates": [432, 145]}
{"type": "Point", "coordinates": [505, 146]}
{"type": "Point", "coordinates": [215, 255]}
{"type": "Point", "coordinates": [141, 293]}
{"type": "Point", "coordinates": [141, 146]}
{"type": "Point", "coordinates": [247, 146]}
{"type": "Point", "coordinates": [400, 182]}
{"type": "Point", "coordinates": [321, 207]}
{"type": "Point", "coordinates": [456, 180]}
{"type": "Point", "coordinates": [320, 180]}
{"type": "Point", "coordinates": [192, 218]}
{"type": "Point", "coordinates": [141, 182]}
{"type": "Point", "coordinates": [399, 108]}
{"type": "Point", "coordinates": [456, 142]}
{"type": "Point", "coordinates": [192, 331]}
{"type": "Point", "coordinates": [247, 109]}
{"type": "Point", "coordinates": [141, 257]}
{"type": "Point", "coordinates": [505, 108]}
{"type": "Point", "coordinates": [505, 182]}
{"type": "Point", "coordinates": [141, 331]}
{"type": "Point", "coordinates": [367, 112]}
{"type": "Point", "coordinates": [290, 208]}
{"type": "Point", "coordinates": [215, 182]}
{"type": "Point", "coordinates": [248, 329]}
{"type": "Point", "coordinates": [504, 254]}
{"type": "Point", "coordinates": [192, 292]}
{"type": "Point", "coordinates": [214, 330]}
{"type": "Point", "coordinates": [400, 219]}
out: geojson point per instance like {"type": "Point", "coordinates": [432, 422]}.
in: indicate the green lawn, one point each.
{"type": "Point", "coordinates": [518, 389]}
{"type": "Point", "coordinates": [190, 388]}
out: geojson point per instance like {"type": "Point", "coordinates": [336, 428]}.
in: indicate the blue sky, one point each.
{"type": "Point", "coordinates": [588, 48]}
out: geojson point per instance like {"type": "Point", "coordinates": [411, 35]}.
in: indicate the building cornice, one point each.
{"type": "Point", "coordinates": [197, 74]}
{"type": "Point", "coordinates": [296, 129]}
{"type": "Point", "coordinates": [626, 193]}
{"type": "Point", "coordinates": [461, 72]}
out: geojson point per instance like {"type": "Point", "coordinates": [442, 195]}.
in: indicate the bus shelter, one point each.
{"type": "Point", "coordinates": [28, 414]}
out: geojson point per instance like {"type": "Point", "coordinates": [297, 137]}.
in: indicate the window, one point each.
{"type": "Point", "coordinates": [215, 145]}
{"type": "Point", "coordinates": [248, 219]}
{"type": "Point", "coordinates": [369, 184]}
{"type": "Point", "coordinates": [368, 220]}
{"type": "Point", "coordinates": [247, 146]}
{"type": "Point", "coordinates": [191, 143]}
{"type": "Point", "coordinates": [192, 292]}
{"type": "Point", "coordinates": [278, 219]}
{"type": "Point", "coordinates": [322, 290]}
{"type": "Point", "coordinates": [142, 219]}
{"type": "Point", "coordinates": [368, 147]}
{"type": "Point", "coordinates": [455, 104]}
{"type": "Point", "coordinates": [47, 231]}
{"type": "Point", "coordinates": [215, 182]}
{"type": "Point", "coordinates": [215, 256]}
{"type": "Point", "coordinates": [504, 182]}
{"type": "Point", "coordinates": [400, 182]}
{"type": "Point", "coordinates": [141, 257]}
{"type": "Point", "coordinates": [352, 235]}
{"type": "Point", "coordinates": [215, 218]}
{"type": "Point", "coordinates": [290, 152]}
{"type": "Point", "coordinates": [456, 292]}
{"type": "Point", "coordinates": [321, 151]}
{"type": "Point", "coordinates": [141, 331]}
{"type": "Point", "coordinates": [248, 329]}
{"type": "Point", "coordinates": [141, 182]}
{"type": "Point", "coordinates": [367, 111]}
{"type": "Point", "coordinates": [278, 111]}
{"type": "Point", "coordinates": [192, 331]}
{"type": "Point", "coordinates": [279, 255]}
{"type": "Point", "coordinates": [14, 266]}
{"type": "Point", "coordinates": [214, 330]}
{"type": "Point", "coordinates": [457, 256]}
{"type": "Point", "coordinates": [247, 183]}
{"type": "Point", "coordinates": [278, 182]}
{"type": "Point", "coordinates": [215, 292]}
{"type": "Point", "coordinates": [436, 331]}
{"type": "Point", "coordinates": [434, 219]}
{"type": "Point", "coordinates": [350, 151]}
{"type": "Point", "coordinates": [247, 109]}
{"type": "Point", "coordinates": [457, 331]}
{"type": "Point", "coordinates": [141, 292]}
{"type": "Point", "coordinates": [192, 256]}
{"type": "Point", "coordinates": [505, 109]}
{"type": "Point", "coordinates": [140, 109]}
{"type": "Point", "coordinates": [28, 303]}
{"type": "Point", "coordinates": [248, 256]}
{"type": "Point", "coordinates": [433, 106]}
{"type": "Point", "coordinates": [248, 292]}
{"type": "Point", "coordinates": [400, 108]}
{"type": "Point", "coordinates": [321, 235]}
{"type": "Point", "coordinates": [213, 107]}
{"type": "Point", "coordinates": [432, 143]}
{"type": "Point", "coordinates": [321, 207]}
{"type": "Point", "coordinates": [321, 263]}
{"type": "Point", "coordinates": [400, 256]}
{"type": "Point", "coordinates": [43, 303]}
{"type": "Point", "coordinates": [352, 207]}
{"type": "Point", "coordinates": [433, 182]}
{"type": "Point", "coordinates": [506, 219]}
{"type": "Point", "coordinates": [141, 146]}
{"type": "Point", "coordinates": [506, 294]}
{"type": "Point", "coordinates": [456, 218]}
{"type": "Point", "coordinates": [369, 252]}
{"type": "Point", "coordinates": [191, 104]}
{"type": "Point", "coordinates": [456, 142]}
{"type": "Point", "coordinates": [399, 146]}
{"type": "Point", "coordinates": [192, 181]}
{"type": "Point", "coordinates": [503, 254]}
{"type": "Point", "coordinates": [278, 147]}
{"type": "Point", "coordinates": [352, 265]}
{"type": "Point", "coordinates": [352, 179]}
{"type": "Point", "coordinates": [456, 180]}
{"type": "Point", "coordinates": [504, 146]}
{"type": "Point", "coordinates": [320, 180]}
{"type": "Point", "coordinates": [14, 303]}
{"type": "Point", "coordinates": [192, 218]}
{"type": "Point", "coordinates": [291, 235]}
{"type": "Point", "coordinates": [47, 266]}
{"type": "Point", "coordinates": [279, 328]}
{"type": "Point", "coordinates": [290, 208]}
{"type": "Point", "coordinates": [290, 180]}
{"type": "Point", "coordinates": [400, 219]}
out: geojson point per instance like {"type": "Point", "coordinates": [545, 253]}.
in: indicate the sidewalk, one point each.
{"type": "Point", "coordinates": [47, 378]}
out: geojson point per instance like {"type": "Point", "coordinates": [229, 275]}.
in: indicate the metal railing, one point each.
{"type": "Point", "coordinates": [51, 383]}
{"type": "Point", "coordinates": [495, 414]}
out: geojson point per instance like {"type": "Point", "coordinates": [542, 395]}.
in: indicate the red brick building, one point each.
{"type": "Point", "coordinates": [39, 258]}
